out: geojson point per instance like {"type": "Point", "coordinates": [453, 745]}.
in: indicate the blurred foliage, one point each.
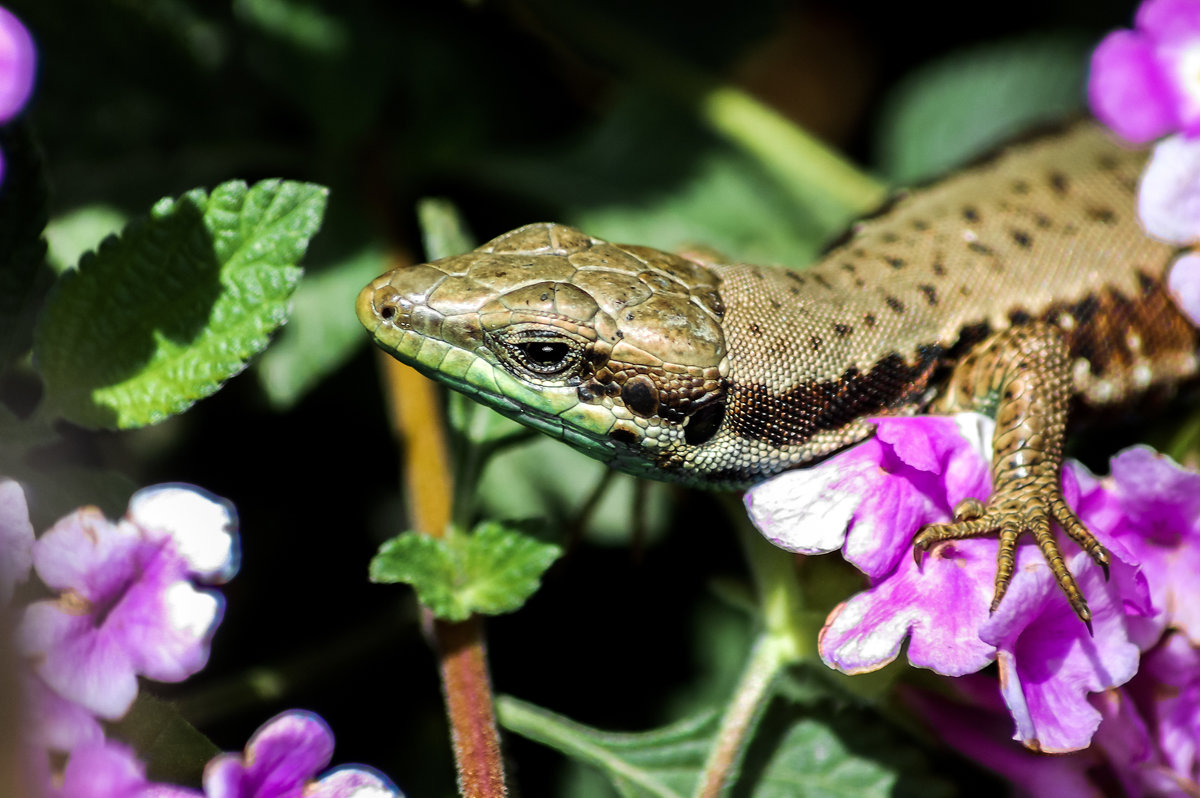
{"type": "Point", "coordinates": [517, 111]}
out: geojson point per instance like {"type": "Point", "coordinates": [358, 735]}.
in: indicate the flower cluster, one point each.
{"type": "Point", "coordinates": [1058, 681]}
{"type": "Point", "coordinates": [1145, 85]}
{"type": "Point", "coordinates": [127, 604]}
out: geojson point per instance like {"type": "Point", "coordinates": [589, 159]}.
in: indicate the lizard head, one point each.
{"type": "Point", "coordinates": [617, 350]}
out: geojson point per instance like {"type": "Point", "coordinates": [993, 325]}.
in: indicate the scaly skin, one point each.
{"type": "Point", "coordinates": [1021, 287]}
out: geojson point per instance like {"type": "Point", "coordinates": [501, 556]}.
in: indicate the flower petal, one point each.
{"type": "Point", "coordinates": [203, 527]}
{"type": "Point", "coordinates": [18, 64]}
{"type": "Point", "coordinates": [1048, 660]}
{"type": "Point", "coordinates": [1168, 200]}
{"type": "Point", "coordinates": [1127, 89]}
{"type": "Point", "coordinates": [353, 781]}
{"type": "Point", "coordinates": [940, 606]}
{"type": "Point", "coordinates": [16, 539]}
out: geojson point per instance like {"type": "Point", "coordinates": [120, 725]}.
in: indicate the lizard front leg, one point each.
{"type": "Point", "coordinates": [1021, 376]}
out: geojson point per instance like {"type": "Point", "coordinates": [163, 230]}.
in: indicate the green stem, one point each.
{"type": "Point", "coordinates": [819, 178]}
{"type": "Point", "coordinates": [767, 658]}
{"type": "Point", "coordinates": [788, 637]}
{"type": "Point", "coordinates": [803, 164]}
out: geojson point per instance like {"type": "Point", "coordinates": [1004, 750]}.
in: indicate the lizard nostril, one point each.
{"type": "Point", "coordinates": [387, 312]}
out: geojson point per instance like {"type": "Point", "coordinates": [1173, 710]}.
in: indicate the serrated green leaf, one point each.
{"type": "Point", "coordinates": [966, 103]}
{"type": "Point", "coordinates": [163, 314]}
{"type": "Point", "coordinates": [663, 763]}
{"type": "Point", "coordinates": [72, 234]}
{"type": "Point", "coordinates": [493, 570]}
{"type": "Point", "coordinates": [322, 331]}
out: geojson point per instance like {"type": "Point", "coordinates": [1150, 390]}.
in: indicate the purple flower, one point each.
{"type": "Point", "coordinates": [16, 539]}
{"type": "Point", "coordinates": [870, 499]}
{"type": "Point", "coordinates": [281, 761]}
{"type": "Point", "coordinates": [18, 63]}
{"type": "Point", "coordinates": [972, 721]}
{"type": "Point", "coordinates": [56, 723]}
{"type": "Point", "coordinates": [914, 472]}
{"type": "Point", "coordinates": [1157, 520]}
{"type": "Point", "coordinates": [126, 605]}
{"type": "Point", "coordinates": [111, 770]}
{"type": "Point", "coordinates": [1049, 663]}
{"type": "Point", "coordinates": [1145, 83]}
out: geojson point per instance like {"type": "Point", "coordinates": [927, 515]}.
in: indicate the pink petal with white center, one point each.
{"type": "Point", "coordinates": [16, 539]}
{"type": "Point", "coordinates": [1049, 663]}
{"type": "Point", "coordinates": [202, 526]}
{"type": "Point", "coordinates": [1168, 200]}
{"type": "Point", "coordinates": [938, 607]}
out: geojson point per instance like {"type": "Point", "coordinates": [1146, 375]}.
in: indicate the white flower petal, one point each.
{"type": "Point", "coordinates": [203, 526]}
{"type": "Point", "coordinates": [1168, 199]}
{"type": "Point", "coordinates": [808, 510]}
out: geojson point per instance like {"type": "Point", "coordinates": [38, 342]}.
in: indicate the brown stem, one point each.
{"type": "Point", "coordinates": [468, 694]}
{"type": "Point", "coordinates": [417, 421]}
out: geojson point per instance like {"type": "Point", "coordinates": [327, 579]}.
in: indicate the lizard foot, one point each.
{"type": "Point", "coordinates": [1021, 510]}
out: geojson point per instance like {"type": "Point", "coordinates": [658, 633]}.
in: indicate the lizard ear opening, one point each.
{"type": "Point", "coordinates": [702, 424]}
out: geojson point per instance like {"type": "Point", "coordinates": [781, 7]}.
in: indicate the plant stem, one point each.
{"type": "Point", "coordinates": [830, 187]}
{"type": "Point", "coordinates": [787, 638]}
{"type": "Point", "coordinates": [766, 659]}
{"type": "Point", "coordinates": [417, 421]}
{"type": "Point", "coordinates": [468, 694]}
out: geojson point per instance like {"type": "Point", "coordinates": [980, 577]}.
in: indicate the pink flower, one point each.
{"type": "Point", "coordinates": [282, 760]}
{"type": "Point", "coordinates": [1145, 83]}
{"type": "Point", "coordinates": [18, 64]}
{"type": "Point", "coordinates": [871, 499]}
{"type": "Point", "coordinates": [111, 770]}
{"type": "Point", "coordinates": [127, 605]}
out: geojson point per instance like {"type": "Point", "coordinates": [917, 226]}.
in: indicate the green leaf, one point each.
{"type": "Point", "coordinates": [322, 331]}
{"type": "Point", "coordinates": [559, 480]}
{"type": "Point", "coordinates": [443, 229]}
{"type": "Point", "coordinates": [72, 234]}
{"type": "Point", "coordinates": [963, 105]}
{"type": "Point", "coordinates": [163, 314]}
{"type": "Point", "coordinates": [493, 570]}
{"type": "Point", "coordinates": [629, 183]}
{"type": "Point", "coordinates": [813, 741]}
{"type": "Point", "coordinates": [663, 763]}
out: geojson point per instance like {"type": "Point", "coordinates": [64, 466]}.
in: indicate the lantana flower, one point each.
{"type": "Point", "coordinates": [127, 605]}
{"type": "Point", "coordinates": [913, 472]}
{"type": "Point", "coordinates": [18, 64]}
{"type": "Point", "coordinates": [1145, 83]}
{"type": "Point", "coordinates": [283, 758]}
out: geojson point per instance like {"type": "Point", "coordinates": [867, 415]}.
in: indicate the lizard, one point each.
{"type": "Point", "coordinates": [1021, 286]}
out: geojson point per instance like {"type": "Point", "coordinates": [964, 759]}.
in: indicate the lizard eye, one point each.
{"type": "Point", "coordinates": [546, 356]}
{"type": "Point", "coordinates": [541, 355]}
